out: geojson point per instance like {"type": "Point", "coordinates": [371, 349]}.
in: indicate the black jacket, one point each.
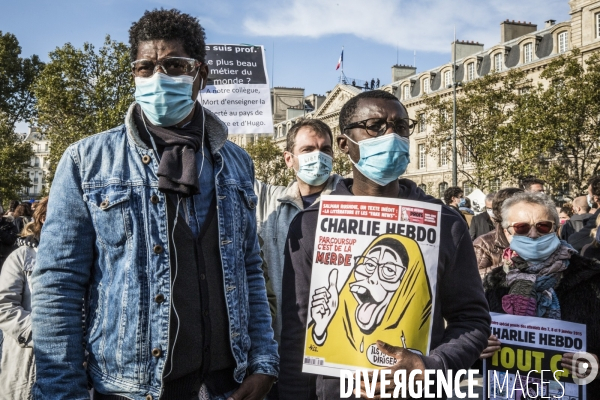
{"type": "Point", "coordinates": [581, 238]}
{"type": "Point", "coordinates": [480, 225]}
{"type": "Point", "coordinates": [8, 238]}
{"type": "Point", "coordinates": [573, 225]}
{"type": "Point", "coordinates": [579, 297]}
{"type": "Point", "coordinates": [460, 300]}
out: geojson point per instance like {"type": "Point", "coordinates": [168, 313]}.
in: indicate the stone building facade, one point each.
{"type": "Point", "coordinates": [522, 46]}
{"type": "Point", "coordinates": [38, 165]}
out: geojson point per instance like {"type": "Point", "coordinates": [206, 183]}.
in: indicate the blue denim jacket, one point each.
{"type": "Point", "coordinates": [105, 240]}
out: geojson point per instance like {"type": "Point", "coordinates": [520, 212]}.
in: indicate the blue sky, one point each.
{"type": "Point", "coordinates": [305, 37]}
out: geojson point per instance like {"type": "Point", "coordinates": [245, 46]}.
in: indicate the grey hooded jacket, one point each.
{"type": "Point", "coordinates": [276, 208]}
{"type": "Point", "coordinates": [17, 367]}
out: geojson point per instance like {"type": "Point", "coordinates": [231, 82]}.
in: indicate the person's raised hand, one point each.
{"type": "Point", "coordinates": [567, 363]}
{"type": "Point", "coordinates": [492, 347]}
{"type": "Point", "coordinates": [405, 360]}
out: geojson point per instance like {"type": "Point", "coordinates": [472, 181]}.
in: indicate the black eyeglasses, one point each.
{"type": "Point", "coordinates": [376, 126]}
{"type": "Point", "coordinates": [172, 66]}
{"type": "Point", "coordinates": [523, 228]}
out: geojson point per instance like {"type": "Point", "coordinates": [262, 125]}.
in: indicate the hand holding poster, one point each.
{"type": "Point", "coordinates": [238, 88]}
{"type": "Point", "coordinates": [373, 278]}
{"type": "Point", "coordinates": [529, 362]}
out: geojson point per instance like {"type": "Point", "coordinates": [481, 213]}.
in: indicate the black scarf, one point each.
{"type": "Point", "coordinates": [177, 147]}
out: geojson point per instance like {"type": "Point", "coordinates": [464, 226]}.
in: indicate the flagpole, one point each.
{"type": "Point", "coordinates": [342, 76]}
{"type": "Point", "coordinates": [454, 155]}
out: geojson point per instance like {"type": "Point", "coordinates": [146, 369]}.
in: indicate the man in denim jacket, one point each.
{"type": "Point", "coordinates": [161, 244]}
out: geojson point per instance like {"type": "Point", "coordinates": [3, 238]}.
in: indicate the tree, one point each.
{"type": "Point", "coordinates": [341, 162]}
{"type": "Point", "coordinates": [269, 164]}
{"type": "Point", "coordinates": [82, 92]}
{"type": "Point", "coordinates": [16, 104]}
{"type": "Point", "coordinates": [559, 125]}
{"type": "Point", "coordinates": [15, 156]}
{"type": "Point", "coordinates": [16, 78]}
{"type": "Point", "coordinates": [485, 142]}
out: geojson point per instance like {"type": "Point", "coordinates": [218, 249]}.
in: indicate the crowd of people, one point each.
{"type": "Point", "coordinates": [192, 278]}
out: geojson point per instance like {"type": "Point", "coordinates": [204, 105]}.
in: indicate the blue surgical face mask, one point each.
{"type": "Point", "coordinates": [535, 249]}
{"type": "Point", "coordinates": [382, 159]}
{"type": "Point", "coordinates": [314, 168]}
{"type": "Point", "coordinates": [462, 202]}
{"type": "Point", "coordinates": [165, 100]}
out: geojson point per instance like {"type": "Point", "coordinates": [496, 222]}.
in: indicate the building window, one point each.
{"type": "Point", "coordinates": [422, 123]}
{"type": "Point", "coordinates": [423, 187]}
{"type": "Point", "coordinates": [406, 94]}
{"type": "Point", "coordinates": [442, 188]}
{"type": "Point", "coordinates": [447, 79]}
{"type": "Point", "coordinates": [422, 157]}
{"type": "Point", "coordinates": [467, 155]}
{"type": "Point", "coordinates": [598, 25]}
{"type": "Point", "coordinates": [528, 52]}
{"type": "Point", "coordinates": [470, 71]}
{"type": "Point", "coordinates": [444, 116]}
{"type": "Point", "coordinates": [563, 42]}
{"type": "Point", "coordinates": [425, 85]}
{"type": "Point", "coordinates": [35, 180]}
{"type": "Point", "coordinates": [498, 61]}
{"type": "Point", "coordinates": [37, 162]}
{"type": "Point", "coordinates": [495, 185]}
{"type": "Point", "coordinates": [443, 154]}
{"type": "Point", "coordinates": [46, 148]}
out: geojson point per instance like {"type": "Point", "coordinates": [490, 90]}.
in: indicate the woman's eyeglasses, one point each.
{"type": "Point", "coordinates": [523, 228]}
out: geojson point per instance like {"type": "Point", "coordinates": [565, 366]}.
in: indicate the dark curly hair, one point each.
{"type": "Point", "coordinates": [452, 191]}
{"type": "Point", "coordinates": [350, 107]}
{"type": "Point", "coordinates": [169, 25]}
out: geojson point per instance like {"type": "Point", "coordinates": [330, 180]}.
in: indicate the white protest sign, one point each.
{"type": "Point", "coordinates": [528, 364]}
{"type": "Point", "coordinates": [238, 88]}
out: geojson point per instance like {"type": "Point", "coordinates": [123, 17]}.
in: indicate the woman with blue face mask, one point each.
{"type": "Point", "coordinates": [542, 276]}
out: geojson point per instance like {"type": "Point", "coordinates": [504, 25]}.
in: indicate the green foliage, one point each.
{"type": "Point", "coordinates": [16, 104]}
{"type": "Point", "coordinates": [513, 129]}
{"type": "Point", "coordinates": [341, 163]}
{"type": "Point", "coordinates": [16, 78]}
{"type": "Point", "coordinates": [15, 156]}
{"type": "Point", "coordinates": [269, 164]}
{"type": "Point", "coordinates": [82, 92]}
{"type": "Point", "coordinates": [559, 125]}
{"type": "Point", "coordinates": [485, 146]}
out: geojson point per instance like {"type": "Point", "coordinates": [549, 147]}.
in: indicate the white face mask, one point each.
{"type": "Point", "coordinates": [314, 168]}
{"type": "Point", "coordinates": [490, 213]}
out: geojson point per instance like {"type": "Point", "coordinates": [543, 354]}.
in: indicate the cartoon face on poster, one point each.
{"type": "Point", "coordinates": [384, 293]}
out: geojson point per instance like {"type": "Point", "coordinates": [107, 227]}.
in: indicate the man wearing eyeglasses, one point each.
{"type": "Point", "coordinates": [375, 131]}
{"type": "Point", "coordinates": [162, 246]}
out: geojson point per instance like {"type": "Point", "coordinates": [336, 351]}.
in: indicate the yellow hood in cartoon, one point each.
{"type": "Point", "coordinates": [386, 297]}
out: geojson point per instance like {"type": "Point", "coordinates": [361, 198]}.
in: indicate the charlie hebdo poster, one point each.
{"type": "Point", "coordinates": [373, 278]}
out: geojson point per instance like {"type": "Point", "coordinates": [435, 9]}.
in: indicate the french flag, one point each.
{"type": "Point", "coordinates": [340, 61]}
